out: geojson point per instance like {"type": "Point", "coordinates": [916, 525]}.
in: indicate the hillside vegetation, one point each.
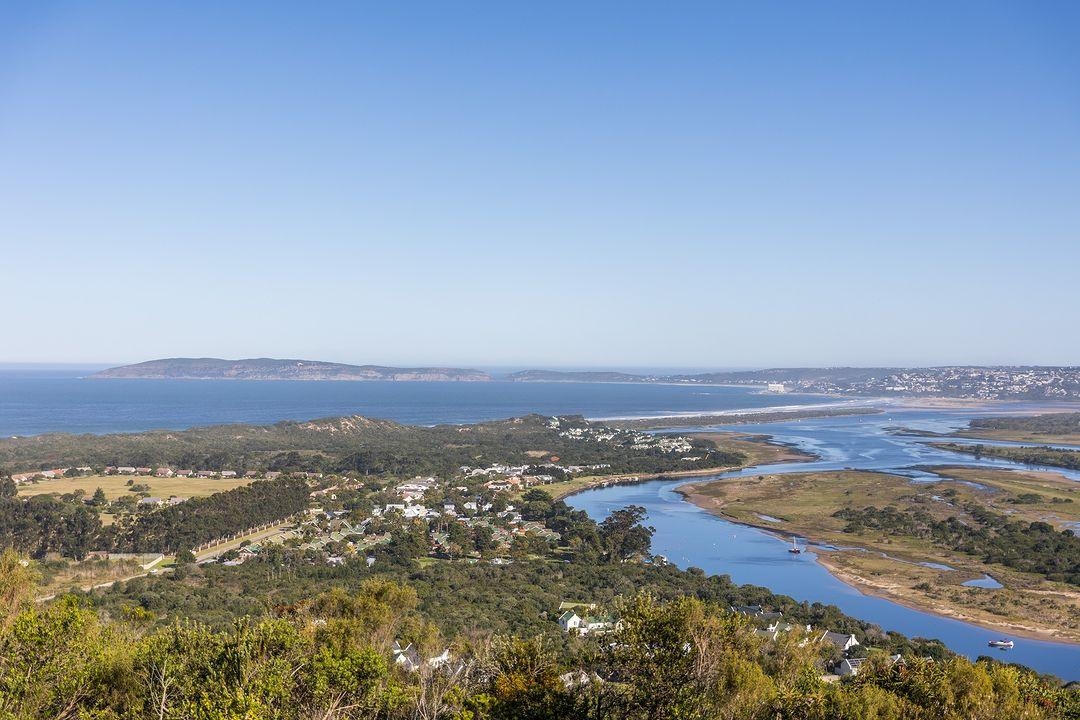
{"type": "Point", "coordinates": [350, 444]}
{"type": "Point", "coordinates": [331, 656]}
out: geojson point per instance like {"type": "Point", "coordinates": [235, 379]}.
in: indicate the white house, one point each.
{"type": "Point", "coordinates": [570, 620]}
{"type": "Point", "coordinates": [851, 666]}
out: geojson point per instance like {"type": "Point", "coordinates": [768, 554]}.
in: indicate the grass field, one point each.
{"type": "Point", "coordinates": [116, 486]}
{"type": "Point", "coordinates": [891, 565]}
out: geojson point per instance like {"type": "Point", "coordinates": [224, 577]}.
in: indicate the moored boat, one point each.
{"type": "Point", "coordinates": [1003, 644]}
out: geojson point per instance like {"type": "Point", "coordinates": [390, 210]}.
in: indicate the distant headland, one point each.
{"type": "Point", "coordinates": [273, 369]}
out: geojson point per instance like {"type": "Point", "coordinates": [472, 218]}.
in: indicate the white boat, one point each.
{"type": "Point", "coordinates": [794, 549]}
{"type": "Point", "coordinates": [1003, 644]}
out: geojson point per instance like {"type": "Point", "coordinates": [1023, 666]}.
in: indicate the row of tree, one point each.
{"type": "Point", "coordinates": [193, 522]}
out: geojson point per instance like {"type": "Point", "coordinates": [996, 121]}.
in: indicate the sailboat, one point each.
{"type": "Point", "coordinates": [794, 549]}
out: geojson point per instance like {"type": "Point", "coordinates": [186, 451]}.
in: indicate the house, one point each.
{"type": "Point", "coordinates": [570, 620]}
{"type": "Point", "coordinates": [851, 666]}
{"type": "Point", "coordinates": [143, 471]}
{"type": "Point", "coordinates": [163, 472]}
{"type": "Point", "coordinates": [751, 610]}
{"type": "Point", "coordinates": [205, 474]}
{"type": "Point", "coordinates": [409, 659]}
{"type": "Point", "coordinates": [228, 473]}
{"type": "Point", "coordinates": [840, 640]}
{"type": "Point", "coordinates": [125, 470]}
{"type": "Point", "coordinates": [150, 502]}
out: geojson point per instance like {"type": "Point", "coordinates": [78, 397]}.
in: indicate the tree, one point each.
{"type": "Point", "coordinates": [623, 535]}
{"type": "Point", "coordinates": [99, 499]}
{"type": "Point", "coordinates": [484, 539]}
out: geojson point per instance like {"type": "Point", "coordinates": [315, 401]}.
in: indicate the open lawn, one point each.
{"type": "Point", "coordinates": [890, 564]}
{"type": "Point", "coordinates": [116, 486]}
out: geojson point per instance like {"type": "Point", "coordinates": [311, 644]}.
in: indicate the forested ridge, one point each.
{"type": "Point", "coordinates": [348, 444]}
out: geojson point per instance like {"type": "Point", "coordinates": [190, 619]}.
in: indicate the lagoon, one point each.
{"type": "Point", "coordinates": [689, 536]}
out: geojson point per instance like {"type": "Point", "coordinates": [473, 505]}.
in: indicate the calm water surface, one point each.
{"type": "Point", "coordinates": [32, 403]}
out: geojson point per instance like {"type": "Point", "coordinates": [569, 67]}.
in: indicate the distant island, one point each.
{"type": "Point", "coordinates": [272, 369]}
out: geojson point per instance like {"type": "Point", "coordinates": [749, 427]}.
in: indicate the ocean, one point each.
{"type": "Point", "coordinates": [54, 401]}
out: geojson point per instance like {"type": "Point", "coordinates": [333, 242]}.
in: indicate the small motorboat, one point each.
{"type": "Point", "coordinates": [1003, 644]}
{"type": "Point", "coordinates": [794, 549]}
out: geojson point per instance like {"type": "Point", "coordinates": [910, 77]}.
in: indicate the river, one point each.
{"type": "Point", "coordinates": [689, 536]}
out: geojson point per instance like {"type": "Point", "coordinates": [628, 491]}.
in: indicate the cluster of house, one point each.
{"type": "Point", "coordinates": [168, 472]}
{"type": "Point", "coordinates": [505, 478]}
{"type": "Point", "coordinates": [51, 474]}
{"type": "Point", "coordinates": [160, 472]}
{"type": "Point", "coordinates": [636, 440]}
{"type": "Point", "coordinates": [334, 535]}
{"type": "Point", "coordinates": [772, 625]}
{"type": "Point", "coordinates": [984, 383]}
{"type": "Point", "coordinates": [332, 532]}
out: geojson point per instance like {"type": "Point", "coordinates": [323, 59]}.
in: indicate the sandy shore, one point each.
{"type": "Point", "coordinates": [893, 593]}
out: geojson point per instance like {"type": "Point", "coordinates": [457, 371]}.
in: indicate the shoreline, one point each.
{"type": "Point", "coordinates": [869, 588]}
{"type": "Point", "coordinates": [866, 588]}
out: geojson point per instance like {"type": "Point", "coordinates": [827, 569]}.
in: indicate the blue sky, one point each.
{"type": "Point", "coordinates": [601, 184]}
